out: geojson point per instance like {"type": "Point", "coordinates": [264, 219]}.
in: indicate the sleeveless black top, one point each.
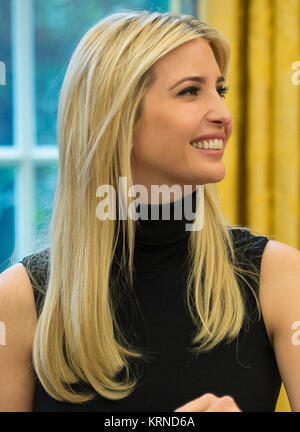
{"type": "Point", "coordinates": [246, 369]}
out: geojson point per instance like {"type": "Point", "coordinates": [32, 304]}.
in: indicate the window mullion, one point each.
{"type": "Point", "coordinates": [175, 5]}
{"type": "Point", "coordinates": [24, 121]}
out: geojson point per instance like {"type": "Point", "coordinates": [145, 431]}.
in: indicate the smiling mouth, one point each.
{"type": "Point", "coordinates": [214, 144]}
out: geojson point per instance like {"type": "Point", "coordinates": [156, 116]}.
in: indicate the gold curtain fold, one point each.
{"type": "Point", "coordinates": [262, 184]}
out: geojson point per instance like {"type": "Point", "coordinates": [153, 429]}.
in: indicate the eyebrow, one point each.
{"type": "Point", "coordinates": [199, 79]}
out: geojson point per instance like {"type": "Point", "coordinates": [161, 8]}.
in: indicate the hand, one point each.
{"type": "Point", "coordinates": [210, 403]}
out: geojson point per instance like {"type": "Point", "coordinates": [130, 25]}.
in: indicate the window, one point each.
{"type": "Point", "coordinates": [37, 40]}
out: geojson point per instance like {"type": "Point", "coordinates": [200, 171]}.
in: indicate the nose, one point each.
{"type": "Point", "coordinates": [218, 112]}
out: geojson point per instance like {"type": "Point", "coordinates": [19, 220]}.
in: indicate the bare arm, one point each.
{"type": "Point", "coordinates": [280, 303]}
{"type": "Point", "coordinates": [17, 326]}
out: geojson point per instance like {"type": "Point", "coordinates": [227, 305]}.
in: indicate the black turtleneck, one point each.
{"type": "Point", "coordinates": [161, 239]}
{"type": "Point", "coordinates": [155, 319]}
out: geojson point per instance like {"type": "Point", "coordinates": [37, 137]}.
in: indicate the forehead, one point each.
{"type": "Point", "coordinates": [193, 57]}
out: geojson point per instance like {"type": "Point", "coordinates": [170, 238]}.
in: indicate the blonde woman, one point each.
{"type": "Point", "coordinates": [119, 314]}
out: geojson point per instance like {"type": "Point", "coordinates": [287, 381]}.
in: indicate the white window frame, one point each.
{"type": "Point", "coordinates": [24, 155]}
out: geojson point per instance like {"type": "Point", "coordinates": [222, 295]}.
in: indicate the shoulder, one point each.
{"type": "Point", "coordinates": [15, 290]}
{"type": "Point", "coordinates": [280, 304]}
{"type": "Point", "coordinates": [279, 289]}
{"type": "Point", "coordinates": [18, 323]}
{"type": "Point", "coordinates": [280, 274]}
{"type": "Point", "coordinates": [279, 253]}
{"type": "Point", "coordinates": [18, 292]}
{"type": "Point", "coordinates": [17, 305]}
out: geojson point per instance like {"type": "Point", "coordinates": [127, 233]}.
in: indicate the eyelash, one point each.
{"type": "Point", "coordinates": [221, 90]}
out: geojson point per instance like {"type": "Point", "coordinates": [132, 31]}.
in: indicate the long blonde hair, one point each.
{"type": "Point", "coordinates": [78, 338]}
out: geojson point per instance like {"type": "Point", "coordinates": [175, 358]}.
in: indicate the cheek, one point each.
{"type": "Point", "coordinates": [160, 133]}
{"type": "Point", "coordinates": [166, 131]}
{"type": "Point", "coordinates": [175, 128]}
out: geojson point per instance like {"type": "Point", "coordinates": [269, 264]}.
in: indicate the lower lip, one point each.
{"type": "Point", "coordinates": [207, 152]}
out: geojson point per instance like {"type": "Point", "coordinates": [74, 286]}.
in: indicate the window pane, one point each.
{"type": "Point", "coordinates": [45, 180]}
{"type": "Point", "coordinates": [7, 215]}
{"type": "Point", "coordinates": [59, 25]}
{"type": "Point", "coordinates": [5, 75]}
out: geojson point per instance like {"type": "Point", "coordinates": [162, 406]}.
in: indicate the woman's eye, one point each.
{"type": "Point", "coordinates": [222, 91]}
{"type": "Point", "coordinates": [191, 90]}
{"type": "Point", "coordinates": [194, 91]}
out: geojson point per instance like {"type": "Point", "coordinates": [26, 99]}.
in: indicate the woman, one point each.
{"type": "Point", "coordinates": [126, 315]}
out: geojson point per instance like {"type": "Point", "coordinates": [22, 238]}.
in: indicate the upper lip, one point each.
{"type": "Point", "coordinates": [209, 136]}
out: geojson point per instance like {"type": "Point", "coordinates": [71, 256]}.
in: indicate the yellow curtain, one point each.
{"type": "Point", "coordinates": [262, 184]}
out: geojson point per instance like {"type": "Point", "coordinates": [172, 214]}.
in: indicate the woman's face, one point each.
{"type": "Point", "coordinates": [175, 114]}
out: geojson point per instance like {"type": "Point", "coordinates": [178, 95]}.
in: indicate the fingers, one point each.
{"type": "Point", "coordinates": [224, 404]}
{"type": "Point", "coordinates": [210, 403]}
{"type": "Point", "coordinates": [202, 403]}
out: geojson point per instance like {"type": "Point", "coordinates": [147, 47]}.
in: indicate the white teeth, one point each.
{"type": "Point", "coordinates": [212, 144]}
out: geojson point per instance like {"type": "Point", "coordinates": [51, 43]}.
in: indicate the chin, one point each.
{"type": "Point", "coordinates": [212, 178]}
{"type": "Point", "coordinates": [217, 179]}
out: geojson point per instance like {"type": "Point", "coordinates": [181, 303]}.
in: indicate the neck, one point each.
{"type": "Point", "coordinates": [162, 194]}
